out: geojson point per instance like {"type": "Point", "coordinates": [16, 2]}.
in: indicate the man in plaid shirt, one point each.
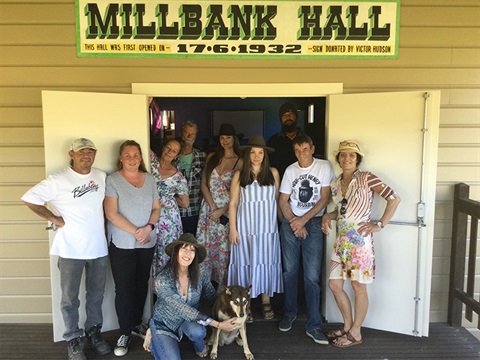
{"type": "Point", "coordinates": [191, 163]}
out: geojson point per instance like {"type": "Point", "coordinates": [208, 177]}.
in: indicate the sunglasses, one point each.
{"type": "Point", "coordinates": [346, 143]}
{"type": "Point", "coordinates": [343, 209]}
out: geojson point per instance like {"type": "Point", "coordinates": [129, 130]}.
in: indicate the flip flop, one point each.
{"type": "Point", "coordinates": [350, 338]}
{"type": "Point", "coordinates": [331, 335]}
{"type": "Point", "coordinates": [249, 319]}
{"type": "Point", "coordinates": [267, 311]}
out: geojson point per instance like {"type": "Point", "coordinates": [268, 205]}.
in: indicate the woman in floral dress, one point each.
{"type": "Point", "coordinates": [353, 255]}
{"type": "Point", "coordinates": [213, 228]}
{"type": "Point", "coordinates": [173, 190]}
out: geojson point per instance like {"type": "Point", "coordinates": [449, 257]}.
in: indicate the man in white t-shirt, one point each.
{"type": "Point", "coordinates": [304, 194]}
{"type": "Point", "coordinates": [76, 195]}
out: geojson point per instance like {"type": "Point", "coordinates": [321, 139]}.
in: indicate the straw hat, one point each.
{"type": "Point", "coordinates": [349, 146]}
{"type": "Point", "coordinates": [257, 141]}
{"type": "Point", "coordinates": [189, 239]}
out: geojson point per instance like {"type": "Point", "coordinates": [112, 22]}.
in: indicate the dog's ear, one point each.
{"type": "Point", "coordinates": [228, 291]}
{"type": "Point", "coordinates": [249, 289]}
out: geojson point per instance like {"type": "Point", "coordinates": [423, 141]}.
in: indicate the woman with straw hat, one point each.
{"type": "Point", "coordinates": [179, 287]}
{"type": "Point", "coordinates": [353, 255]}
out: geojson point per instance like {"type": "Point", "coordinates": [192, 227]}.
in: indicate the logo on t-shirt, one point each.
{"type": "Point", "coordinates": [305, 192]}
{"type": "Point", "coordinates": [79, 191]}
{"type": "Point", "coordinates": [307, 189]}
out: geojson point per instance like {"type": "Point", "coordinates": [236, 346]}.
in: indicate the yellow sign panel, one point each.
{"type": "Point", "coordinates": [245, 29]}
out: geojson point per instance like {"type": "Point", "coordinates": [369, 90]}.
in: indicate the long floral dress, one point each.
{"type": "Point", "coordinates": [169, 225]}
{"type": "Point", "coordinates": [213, 235]}
{"type": "Point", "coordinates": [353, 254]}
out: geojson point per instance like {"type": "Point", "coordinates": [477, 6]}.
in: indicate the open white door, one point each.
{"type": "Point", "coordinates": [398, 132]}
{"type": "Point", "coordinates": [108, 120]}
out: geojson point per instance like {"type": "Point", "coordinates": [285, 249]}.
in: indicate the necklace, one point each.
{"type": "Point", "coordinates": [135, 180]}
{"type": "Point", "coordinates": [344, 185]}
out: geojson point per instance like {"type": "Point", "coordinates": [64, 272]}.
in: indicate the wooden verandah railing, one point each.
{"type": "Point", "coordinates": [463, 209]}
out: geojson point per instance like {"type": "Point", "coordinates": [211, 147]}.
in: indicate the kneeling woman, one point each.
{"type": "Point", "coordinates": [179, 287]}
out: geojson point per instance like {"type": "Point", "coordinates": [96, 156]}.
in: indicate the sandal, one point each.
{"type": "Point", "coordinates": [348, 337]}
{"type": "Point", "coordinates": [204, 353]}
{"type": "Point", "coordinates": [331, 335]}
{"type": "Point", "coordinates": [249, 319]}
{"type": "Point", "coordinates": [267, 311]}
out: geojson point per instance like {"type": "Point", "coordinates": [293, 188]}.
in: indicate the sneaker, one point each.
{"type": "Point", "coordinates": [317, 336]}
{"type": "Point", "coordinates": [140, 330]}
{"type": "Point", "coordinates": [96, 342]}
{"type": "Point", "coordinates": [75, 349]}
{"type": "Point", "coordinates": [122, 345]}
{"type": "Point", "coordinates": [286, 323]}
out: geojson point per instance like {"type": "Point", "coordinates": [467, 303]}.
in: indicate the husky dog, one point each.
{"type": "Point", "coordinates": [233, 301]}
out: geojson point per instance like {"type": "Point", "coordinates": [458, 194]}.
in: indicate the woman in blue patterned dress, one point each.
{"type": "Point", "coordinates": [255, 257]}
{"type": "Point", "coordinates": [173, 190]}
{"type": "Point", "coordinates": [213, 229]}
{"type": "Point", "coordinates": [353, 255]}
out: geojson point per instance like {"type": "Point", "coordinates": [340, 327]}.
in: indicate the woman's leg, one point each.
{"type": "Point", "coordinates": [196, 333]}
{"type": "Point", "coordinates": [267, 310]}
{"type": "Point", "coordinates": [123, 264]}
{"type": "Point", "coordinates": [163, 347]}
{"type": "Point", "coordinates": [144, 265]}
{"type": "Point", "coordinates": [361, 308]}
{"type": "Point", "coordinates": [343, 302]}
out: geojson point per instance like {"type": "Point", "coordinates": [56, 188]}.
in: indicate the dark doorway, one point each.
{"type": "Point", "coordinates": [201, 111]}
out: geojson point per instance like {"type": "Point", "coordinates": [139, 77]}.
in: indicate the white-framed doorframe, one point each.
{"type": "Point", "coordinates": [98, 133]}
{"type": "Point", "coordinates": [420, 321]}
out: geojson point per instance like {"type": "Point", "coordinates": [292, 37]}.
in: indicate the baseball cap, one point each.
{"type": "Point", "coordinates": [83, 143]}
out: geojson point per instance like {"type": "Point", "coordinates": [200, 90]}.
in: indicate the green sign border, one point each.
{"type": "Point", "coordinates": [249, 56]}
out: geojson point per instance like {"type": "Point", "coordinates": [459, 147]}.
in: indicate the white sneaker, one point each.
{"type": "Point", "coordinates": [122, 345]}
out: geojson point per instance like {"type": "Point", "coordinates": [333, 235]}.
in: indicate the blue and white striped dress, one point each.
{"type": "Point", "coordinates": [256, 259]}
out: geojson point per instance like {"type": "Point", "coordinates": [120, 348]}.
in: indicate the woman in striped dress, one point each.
{"type": "Point", "coordinates": [353, 255]}
{"type": "Point", "coordinates": [255, 257]}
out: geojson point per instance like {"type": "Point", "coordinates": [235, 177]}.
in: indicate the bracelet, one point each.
{"type": "Point", "coordinates": [151, 225]}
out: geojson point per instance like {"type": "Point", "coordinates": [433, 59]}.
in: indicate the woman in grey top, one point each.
{"type": "Point", "coordinates": [132, 207]}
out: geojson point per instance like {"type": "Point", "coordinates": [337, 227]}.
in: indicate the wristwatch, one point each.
{"type": "Point", "coordinates": [379, 223]}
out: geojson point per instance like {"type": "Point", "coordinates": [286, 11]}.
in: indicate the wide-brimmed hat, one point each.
{"type": "Point", "coordinates": [189, 239]}
{"type": "Point", "coordinates": [226, 129]}
{"type": "Point", "coordinates": [83, 143]}
{"type": "Point", "coordinates": [286, 107]}
{"type": "Point", "coordinates": [257, 141]}
{"type": "Point", "coordinates": [349, 146]}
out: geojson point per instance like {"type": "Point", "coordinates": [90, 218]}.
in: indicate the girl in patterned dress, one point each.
{"type": "Point", "coordinates": [353, 255]}
{"type": "Point", "coordinates": [213, 229]}
{"type": "Point", "coordinates": [173, 190]}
